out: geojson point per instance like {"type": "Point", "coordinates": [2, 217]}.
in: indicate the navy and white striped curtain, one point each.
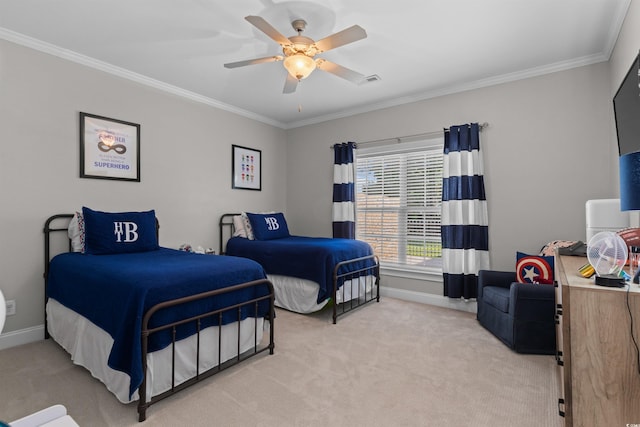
{"type": "Point", "coordinates": [344, 224]}
{"type": "Point", "coordinates": [465, 240]}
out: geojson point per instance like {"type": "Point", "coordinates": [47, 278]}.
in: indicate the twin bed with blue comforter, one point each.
{"type": "Point", "coordinates": [307, 272]}
{"type": "Point", "coordinates": [128, 315]}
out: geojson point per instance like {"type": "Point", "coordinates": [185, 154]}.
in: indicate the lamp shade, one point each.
{"type": "Point", "coordinates": [629, 166]}
{"type": "Point", "coordinates": [299, 65]}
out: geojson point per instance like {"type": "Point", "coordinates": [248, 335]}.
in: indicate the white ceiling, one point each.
{"type": "Point", "coordinates": [418, 48]}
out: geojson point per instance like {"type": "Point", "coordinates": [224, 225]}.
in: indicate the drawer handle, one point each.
{"type": "Point", "coordinates": [561, 407]}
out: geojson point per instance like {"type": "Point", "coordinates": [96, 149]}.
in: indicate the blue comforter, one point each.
{"type": "Point", "coordinates": [114, 292]}
{"type": "Point", "coordinates": [311, 258]}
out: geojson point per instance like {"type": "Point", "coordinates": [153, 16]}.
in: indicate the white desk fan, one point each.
{"type": "Point", "coordinates": [607, 253]}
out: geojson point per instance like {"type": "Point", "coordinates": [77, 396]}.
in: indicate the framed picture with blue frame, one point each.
{"type": "Point", "coordinates": [246, 168]}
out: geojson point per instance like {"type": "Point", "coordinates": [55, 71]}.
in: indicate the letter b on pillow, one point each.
{"type": "Point", "coordinates": [126, 229]}
{"type": "Point", "coordinates": [272, 223]}
{"type": "Point", "coordinates": [268, 226]}
{"type": "Point", "coordinates": [119, 232]}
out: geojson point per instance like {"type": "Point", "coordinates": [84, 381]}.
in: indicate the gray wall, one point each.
{"type": "Point", "coordinates": [627, 46]}
{"type": "Point", "coordinates": [185, 170]}
{"type": "Point", "coordinates": [547, 150]}
{"type": "Point", "coordinates": [550, 147]}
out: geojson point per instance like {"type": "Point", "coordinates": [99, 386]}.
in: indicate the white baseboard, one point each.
{"type": "Point", "coordinates": [36, 333]}
{"type": "Point", "coordinates": [424, 298]}
{"type": "Point", "coordinates": [23, 336]}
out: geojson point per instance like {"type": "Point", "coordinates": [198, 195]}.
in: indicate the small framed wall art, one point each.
{"type": "Point", "coordinates": [246, 168]}
{"type": "Point", "coordinates": [109, 148]}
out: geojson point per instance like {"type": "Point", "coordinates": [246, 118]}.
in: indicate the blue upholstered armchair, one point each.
{"type": "Point", "coordinates": [521, 315]}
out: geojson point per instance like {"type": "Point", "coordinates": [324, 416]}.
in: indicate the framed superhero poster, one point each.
{"type": "Point", "coordinates": [109, 148]}
{"type": "Point", "coordinates": [246, 169]}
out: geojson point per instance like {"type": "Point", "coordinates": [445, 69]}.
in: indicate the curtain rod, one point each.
{"type": "Point", "coordinates": [398, 139]}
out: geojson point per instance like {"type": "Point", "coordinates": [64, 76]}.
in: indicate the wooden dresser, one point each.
{"type": "Point", "coordinates": [598, 376]}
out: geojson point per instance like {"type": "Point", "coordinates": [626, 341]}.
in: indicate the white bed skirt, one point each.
{"type": "Point", "coordinates": [300, 295]}
{"type": "Point", "coordinates": [89, 346]}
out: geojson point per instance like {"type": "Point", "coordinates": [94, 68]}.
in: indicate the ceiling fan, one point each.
{"type": "Point", "coordinates": [299, 52]}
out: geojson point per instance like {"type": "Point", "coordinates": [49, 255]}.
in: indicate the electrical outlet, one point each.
{"type": "Point", "coordinates": [11, 307]}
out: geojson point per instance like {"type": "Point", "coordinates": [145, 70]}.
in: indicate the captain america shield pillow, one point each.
{"type": "Point", "coordinates": [534, 269]}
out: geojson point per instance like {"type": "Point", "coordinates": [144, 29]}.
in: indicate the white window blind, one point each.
{"type": "Point", "coordinates": [398, 203]}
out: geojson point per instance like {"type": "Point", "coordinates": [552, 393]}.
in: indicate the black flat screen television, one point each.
{"type": "Point", "coordinates": [626, 106]}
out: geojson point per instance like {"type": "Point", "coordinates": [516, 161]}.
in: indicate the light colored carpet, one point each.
{"type": "Point", "coordinates": [393, 363]}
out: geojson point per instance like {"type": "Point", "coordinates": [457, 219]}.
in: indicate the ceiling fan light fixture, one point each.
{"type": "Point", "coordinates": [299, 65]}
{"type": "Point", "coordinates": [299, 51]}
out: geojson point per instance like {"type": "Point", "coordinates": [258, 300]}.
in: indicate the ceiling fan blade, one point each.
{"type": "Point", "coordinates": [266, 28]}
{"type": "Point", "coordinates": [290, 84]}
{"type": "Point", "coordinates": [340, 71]}
{"type": "Point", "coordinates": [346, 36]}
{"type": "Point", "coordinates": [253, 61]}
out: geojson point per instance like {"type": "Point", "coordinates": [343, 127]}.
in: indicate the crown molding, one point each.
{"type": "Point", "coordinates": [603, 56]}
{"type": "Point", "coordinates": [72, 56]}
{"type": "Point", "coordinates": [452, 89]}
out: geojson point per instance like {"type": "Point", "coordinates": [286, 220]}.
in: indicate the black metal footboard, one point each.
{"type": "Point", "coordinates": [362, 284]}
{"type": "Point", "coordinates": [257, 348]}
{"type": "Point", "coordinates": [241, 353]}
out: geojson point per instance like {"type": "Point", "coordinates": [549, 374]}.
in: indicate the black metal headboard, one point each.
{"type": "Point", "coordinates": [226, 230]}
{"type": "Point", "coordinates": [49, 228]}
{"type": "Point", "coordinates": [52, 225]}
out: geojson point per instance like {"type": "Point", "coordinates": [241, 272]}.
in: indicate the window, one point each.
{"type": "Point", "coordinates": [398, 203]}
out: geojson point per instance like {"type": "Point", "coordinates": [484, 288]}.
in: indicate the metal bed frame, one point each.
{"type": "Point", "coordinates": [144, 402]}
{"type": "Point", "coordinates": [371, 274]}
